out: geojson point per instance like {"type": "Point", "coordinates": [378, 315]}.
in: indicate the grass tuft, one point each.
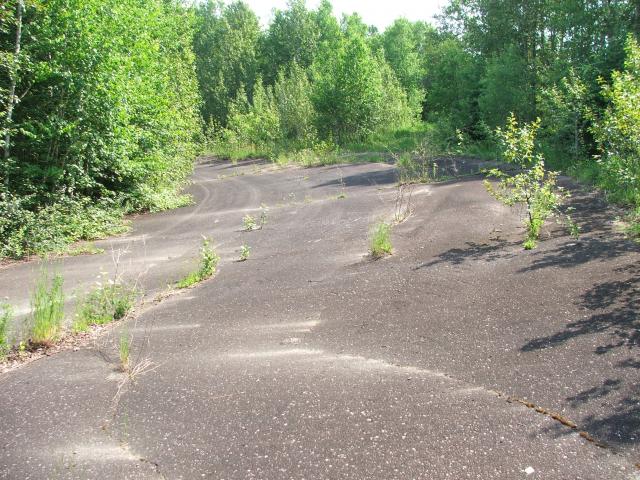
{"type": "Point", "coordinates": [380, 240]}
{"type": "Point", "coordinates": [124, 350]}
{"type": "Point", "coordinates": [103, 305]}
{"type": "Point", "coordinates": [6, 315]}
{"type": "Point", "coordinates": [47, 309]}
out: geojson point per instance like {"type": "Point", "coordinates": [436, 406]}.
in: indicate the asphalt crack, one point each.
{"type": "Point", "coordinates": [558, 418]}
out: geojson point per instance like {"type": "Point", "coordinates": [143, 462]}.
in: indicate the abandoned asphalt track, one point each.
{"type": "Point", "coordinates": [459, 356]}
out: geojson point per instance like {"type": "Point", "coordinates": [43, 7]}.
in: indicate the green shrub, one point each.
{"type": "Point", "coordinates": [617, 133]}
{"type": "Point", "coordinates": [380, 240]}
{"type": "Point", "coordinates": [208, 264]}
{"type": "Point", "coordinates": [47, 309]}
{"type": "Point", "coordinates": [104, 305]}
{"type": "Point", "coordinates": [533, 186]}
{"type": "Point", "coordinates": [54, 227]}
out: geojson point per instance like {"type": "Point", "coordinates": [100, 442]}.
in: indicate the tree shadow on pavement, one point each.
{"type": "Point", "coordinates": [585, 250]}
{"type": "Point", "coordinates": [620, 426]}
{"type": "Point", "coordinates": [473, 252]}
{"type": "Point", "coordinates": [363, 179]}
{"type": "Point", "coordinates": [614, 305]}
{"type": "Point", "coordinates": [615, 325]}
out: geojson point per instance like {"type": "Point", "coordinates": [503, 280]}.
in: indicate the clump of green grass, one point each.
{"type": "Point", "coordinates": [245, 251]}
{"type": "Point", "coordinates": [124, 350]}
{"type": "Point", "coordinates": [103, 305]}
{"type": "Point", "coordinates": [264, 214]}
{"type": "Point", "coordinates": [6, 315]}
{"type": "Point", "coordinates": [380, 240]}
{"type": "Point", "coordinates": [47, 309]}
{"type": "Point", "coordinates": [208, 264]}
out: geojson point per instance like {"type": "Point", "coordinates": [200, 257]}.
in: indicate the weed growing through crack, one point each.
{"type": "Point", "coordinates": [47, 309]}
{"type": "Point", "coordinates": [403, 205]}
{"type": "Point", "coordinates": [264, 212]}
{"type": "Point", "coordinates": [208, 263]}
{"type": "Point", "coordinates": [380, 240]}
{"type": "Point", "coordinates": [6, 315]}
{"type": "Point", "coordinates": [249, 223]}
{"type": "Point", "coordinates": [342, 195]}
{"type": "Point", "coordinates": [103, 305]}
{"type": "Point", "coordinates": [124, 350]}
{"type": "Point", "coordinates": [245, 251]}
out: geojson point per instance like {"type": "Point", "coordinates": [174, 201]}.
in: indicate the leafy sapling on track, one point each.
{"type": "Point", "coordinates": [532, 186]}
{"type": "Point", "coordinates": [245, 251]}
{"type": "Point", "coordinates": [209, 260]}
{"type": "Point", "coordinates": [249, 223]}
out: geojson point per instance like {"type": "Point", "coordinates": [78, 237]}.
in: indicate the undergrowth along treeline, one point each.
{"type": "Point", "coordinates": [99, 115]}
{"type": "Point", "coordinates": [302, 87]}
{"type": "Point", "coordinates": [308, 84]}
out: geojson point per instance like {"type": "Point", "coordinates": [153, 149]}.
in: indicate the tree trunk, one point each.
{"type": "Point", "coordinates": [14, 80]}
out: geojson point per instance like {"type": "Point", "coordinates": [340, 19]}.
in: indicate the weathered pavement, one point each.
{"type": "Point", "coordinates": [310, 361]}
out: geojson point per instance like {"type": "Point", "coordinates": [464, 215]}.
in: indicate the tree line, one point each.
{"type": "Point", "coordinates": [104, 104]}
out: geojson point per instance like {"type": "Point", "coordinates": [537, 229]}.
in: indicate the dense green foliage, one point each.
{"type": "Point", "coordinates": [563, 62]}
{"type": "Point", "coordinates": [104, 103]}
{"type": "Point", "coordinates": [315, 82]}
{"type": "Point", "coordinates": [104, 117]}
{"type": "Point", "coordinates": [618, 131]}
{"type": "Point", "coordinates": [321, 82]}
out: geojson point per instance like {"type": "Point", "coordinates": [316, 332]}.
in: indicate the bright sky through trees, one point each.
{"type": "Point", "coordinates": [380, 13]}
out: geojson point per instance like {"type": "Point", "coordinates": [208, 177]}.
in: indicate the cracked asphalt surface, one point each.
{"type": "Point", "coordinates": [311, 361]}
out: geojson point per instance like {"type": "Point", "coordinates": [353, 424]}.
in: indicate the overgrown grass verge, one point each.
{"type": "Point", "coordinates": [401, 140]}
{"type": "Point", "coordinates": [633, 229]}
{"type": "Point", "coordinates": [84, 249]}
{"type": "Point", "coordinates": [208, 263]}
{"type": "Point", "coordinates": [47, 310]}
{"type": "Point", "coordinates": [6, 316]}
{"type": "Point", "coordinates": [56, 227]}
{"type": "Point", "coordinates": [380, 240]}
